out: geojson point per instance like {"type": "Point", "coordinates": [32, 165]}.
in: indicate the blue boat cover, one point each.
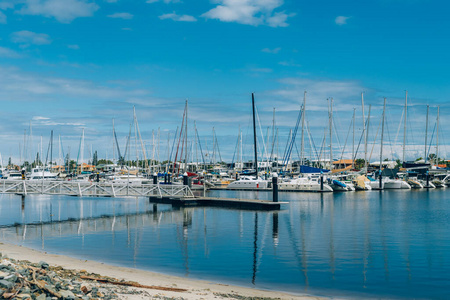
{"type": "Point", "coordinates": [308, 169]}
{"type": "Point", "coordinates": [338, 183]}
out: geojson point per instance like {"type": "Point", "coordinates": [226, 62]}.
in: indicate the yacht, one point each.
{"type": "Point", "coordinates": [310, 183]}
{"type": "Point", "coordinates": [40, 173]}
{"type": "Point", "coordinates": [12, 175]}
{"type": "Point", "coordinates": [249, 182]}
{"type": "Point", "coordinates": [396, 184]}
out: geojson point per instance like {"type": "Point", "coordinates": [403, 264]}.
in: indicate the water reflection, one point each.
{"type": "Point", "coordinates": [380, 244]}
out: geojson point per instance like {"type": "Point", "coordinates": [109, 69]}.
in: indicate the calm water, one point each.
{"type": "Point", "coordinates": [390, 244]}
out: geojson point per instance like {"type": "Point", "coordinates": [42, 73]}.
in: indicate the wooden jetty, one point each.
{"type": "Point", "coordinates": [247, 204]}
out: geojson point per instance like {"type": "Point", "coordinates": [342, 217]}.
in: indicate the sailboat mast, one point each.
{"type": "Point", "coordinates": [185, 139]}
{"type": "Point", "coordinates": [254, 135]}
{"type": "Point", "coordinates": [404, 127]}
{"type": "Point", "coordinates": [382, 133]}
{"type": "Point", "coordinates": [353, 145]}
{"type": "Point", "coordinates": [364, 129]}
{"type": "Point", "coordinates": [114, 150]}
{"type": "Point", "coordinates": [426, 135]}
{"type": "Point", "coordinates": [51, 148]}
{"type": "Point", "coordinates": [437, 137]}
{"type": "Point", "coordinates": [331, 131]}
{"type": "Point", "coordinates": [303, 128]}
{"type": "Point", "coordinates": [367, 133]}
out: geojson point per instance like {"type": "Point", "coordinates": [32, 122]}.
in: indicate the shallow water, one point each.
{"type": "Point", "coordinates": [390, 244]}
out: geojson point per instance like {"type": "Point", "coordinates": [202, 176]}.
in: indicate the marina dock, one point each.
{"type": "Point", "coordinates": [246, 204]}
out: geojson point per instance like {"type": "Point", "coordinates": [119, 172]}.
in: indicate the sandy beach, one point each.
{"type": "Point", "coordinates": [194, 289]}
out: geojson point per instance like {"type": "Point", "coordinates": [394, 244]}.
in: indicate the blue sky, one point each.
{"type": "Point", "coordinates": [73, 64]}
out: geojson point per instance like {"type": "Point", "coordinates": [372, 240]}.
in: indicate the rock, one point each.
{"type": "Point", "coordinates": [3, 274]}
{"type": "Point", "coordinates": [11, 278]}
{"type": "Point", "coordinates": [24, 296]}
{"type": "Point", "coordinates": [41, 297]}
{"type": "Point", "coordinates": [6, 284]}
{"type": "Point", "coordinates": [86, 289]}
{"type": "Point", "coordinates": [43, 265]}
{"type": "Point", "coordinates": [67, 295]}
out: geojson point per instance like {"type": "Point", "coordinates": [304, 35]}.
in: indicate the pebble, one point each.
{"type": "Point", "coordinates": [55, 280]}
{"type": "Point", "coordinates": [41, 297]}
{"type": "Point", "coordinates": [6, 284]}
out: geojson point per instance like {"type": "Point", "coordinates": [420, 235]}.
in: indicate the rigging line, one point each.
{"type": "Point", "coordinates": [200, 145]}
{"type": "Point", "coordinates": [294, 133]}
{"type": "Point", "coordinates": [389, 135]}
{"type": "Point", "coordinates": [346, 139]}
{"type": "Point", "coordinates": [287, 145]}
{"type": "Point", "coordinates": [375, 139]}
{"type": "Point", "coordinates": [335, 132]}
{"type": "Point", "coordinates": [218, 149]}
{"type": "Point", "coordinates": [311, 140]}
{"type": "Point", "coordinates": [235, 150]}
{"type": "Point", "coordinates": [264, 151]}
{"type": "Point", "coordinates": [399, 126]}
{"type": "Point", "coordinates": [431, 140]}
{"type": "Point", "coordinates": [173, 145]}
{"type": "Point", "coordinates": [178, 145]}
{"type": "Point", "coordinates": [360, 139]}
{"type": "Point", "coordinates": [128, 140]}
{"type": "Point", "coordinates": [410, 128]}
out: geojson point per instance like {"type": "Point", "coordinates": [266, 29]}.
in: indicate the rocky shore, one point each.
{"type": "Point", "coordinates": [30, 274]}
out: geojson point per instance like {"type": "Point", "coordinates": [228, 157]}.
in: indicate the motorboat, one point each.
{"type": "Point", "coordinates": [40, 173]}
{"type": "Point", "coordinates": [248, 182]}
{"type": "Point", "coordinates": [396, 184]}
{"type": "Point", "coordinates": [309, 183]}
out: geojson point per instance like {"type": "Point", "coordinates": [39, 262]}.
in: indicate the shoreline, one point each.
{"type": "Point", "coordinates": [195, 289]}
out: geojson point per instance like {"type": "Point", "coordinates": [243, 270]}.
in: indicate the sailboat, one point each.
{"type": "Point", "coordinates": [250, 182]}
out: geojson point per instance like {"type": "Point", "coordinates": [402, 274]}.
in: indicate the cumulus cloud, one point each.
{"type": "Point", "coordinates": [123, 15]}
{"type": "Point", "coordinates": [250, 12]}
{"type": "Point", "coordinates": [178, 18]}
{"type": "Point", "coordinates": [65, 11]}
{"type": "Point", "coordinates": [25, 38]}
{"type": "Point", "coordinates": [341, 20]}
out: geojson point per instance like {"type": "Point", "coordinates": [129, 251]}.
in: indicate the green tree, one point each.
{"type": "Point", "coordinates": [95, 158]}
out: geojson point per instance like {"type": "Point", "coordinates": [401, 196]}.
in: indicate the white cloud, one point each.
{"type": "Point", "coordinates": [5, 52]}
{"type": "Point", "coordinates": [250, 12]}
{"type": "Point", "coordinates": [175, 17]}
{"type": "Point", "coordinates": [344, 92]}
{"type": "Point", "coordinates": [165, 1]}
{"type": "Point", "coordinates": [74, 47]}
{"type": "Point", "coordinates": [2, 18]}
{"type": "Point", "coordinates": [341, 20]}
{"type": "Point", "coordinates": [123, 15]}
{"type": "Point", "coordinates": [289, 64]}
{"type": "Point", "coordinates": [15, 84]}
{"type": "Point", "coordinates": [272, 51]}
{"type": "Point", "coordinates": [39, 118]}
{"type": "Point", "coordinates": [26, 38]}
{"type": "Point", "coordinates": [261, 70]}
{"type": "Point", "coordinates": [65, 11]}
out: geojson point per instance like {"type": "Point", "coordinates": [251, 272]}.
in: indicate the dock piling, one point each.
{"type": "Point", "coordinates": [275, 187]}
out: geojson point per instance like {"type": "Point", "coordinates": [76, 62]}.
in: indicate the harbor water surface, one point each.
{"type": "Point", "coordinates": [388, 244]}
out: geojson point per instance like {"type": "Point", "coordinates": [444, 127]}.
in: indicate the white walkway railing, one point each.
{"type": "Point", "coordinates": [99, 189]}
